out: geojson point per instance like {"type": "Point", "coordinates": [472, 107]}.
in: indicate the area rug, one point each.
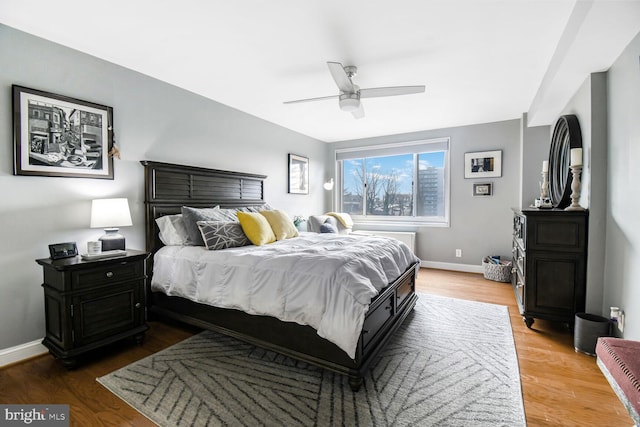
{"type": "Point", "coordinates": [453, 363]}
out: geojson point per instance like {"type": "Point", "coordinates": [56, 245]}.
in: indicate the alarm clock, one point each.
{"type": "Point", "coordinates": [63, 250]}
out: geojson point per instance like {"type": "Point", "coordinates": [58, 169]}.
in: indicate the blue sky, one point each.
{"type": "Point", "coordinates": [401, 164]}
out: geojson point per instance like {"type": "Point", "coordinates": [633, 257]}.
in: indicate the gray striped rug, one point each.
{"type": "Point", "coordinates": [453, 363]}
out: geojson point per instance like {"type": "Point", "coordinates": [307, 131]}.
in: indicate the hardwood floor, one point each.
{"type": "Point", "coordinates": [560, 387]}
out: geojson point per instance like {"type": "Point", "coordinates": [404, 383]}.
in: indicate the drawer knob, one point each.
{"type": "Point", "coordinates": [138, 305]}
{"type": "Point", "coordinates": [109, 274]}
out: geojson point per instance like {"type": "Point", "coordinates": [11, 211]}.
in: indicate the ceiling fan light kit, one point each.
{"type": "Point", "coordinates": [349, 102]}
{"type": "Point", "coordinates": [350, 93]}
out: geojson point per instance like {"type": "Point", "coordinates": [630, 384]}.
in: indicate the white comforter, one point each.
{"type": "Point", "coordinates": [322, 280]}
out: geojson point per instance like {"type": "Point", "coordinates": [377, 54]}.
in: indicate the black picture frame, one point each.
{"type": "Point", "coordinates": [483, 164]}
{"type": "Point", "coordinates": [483, 189]}
{"type": "Point", "coordinates": [298, 174]}
{"type": "Point", "coordinates": [56, 135]}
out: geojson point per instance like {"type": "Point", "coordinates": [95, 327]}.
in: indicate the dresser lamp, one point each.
{"type": "Point", "coordinates": [111, 214]}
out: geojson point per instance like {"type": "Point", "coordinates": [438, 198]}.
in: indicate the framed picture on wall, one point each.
{"type": "Point", "coordinates": [484, 189]}
{"type": "Point", "coordinates": [55, 135]}
{"type": "Point", "coordinates": [483, 164]}
{"type": "Point", "coordinates": [298, 174]}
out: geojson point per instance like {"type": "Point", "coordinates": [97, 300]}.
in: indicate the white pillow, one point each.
{"type": "Point", "coordinates": [172, 230]}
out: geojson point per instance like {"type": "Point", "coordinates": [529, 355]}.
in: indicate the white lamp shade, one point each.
{"type": "Point", "coordinates": [328, 185]}
{"type": "Point", "coordinates": [107, 213]}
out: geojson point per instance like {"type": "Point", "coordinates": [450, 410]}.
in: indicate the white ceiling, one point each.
{"type": "Point", "coordinates": [481, 60]}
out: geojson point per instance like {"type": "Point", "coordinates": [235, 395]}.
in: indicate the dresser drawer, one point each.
{"type": "Point", "coordinates": [104, 274]}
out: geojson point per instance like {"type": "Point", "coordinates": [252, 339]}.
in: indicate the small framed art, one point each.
{"type": "Point", "coordinates": [484, 189]}
{"type": "Point", "coordinates": [483, 164]}
{"type": "Point", "coordinates": [298, 174]}
{"type": "Point", "coordinates": [55, 135]}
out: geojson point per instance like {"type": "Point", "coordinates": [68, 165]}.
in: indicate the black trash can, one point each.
{"type": "Point", "coordinates": [587, 329]}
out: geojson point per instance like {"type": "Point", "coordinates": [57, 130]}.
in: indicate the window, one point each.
{"type": "Point", "coordinates": [406, 183]}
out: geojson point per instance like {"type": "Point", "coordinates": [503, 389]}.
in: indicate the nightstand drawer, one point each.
{"type": "Point", "coordinates": [112, 273]}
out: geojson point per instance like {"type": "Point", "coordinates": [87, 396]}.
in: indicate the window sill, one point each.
{"type": "Point", "coordinates": [398, 225]}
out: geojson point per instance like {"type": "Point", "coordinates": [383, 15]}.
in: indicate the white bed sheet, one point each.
{"type": "Point", "coordinates": [325, 281]}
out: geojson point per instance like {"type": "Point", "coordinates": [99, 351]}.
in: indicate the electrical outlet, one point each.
{"type": "Point", "coordinates": [621, 321]}
{"type": "Point", "coordinates": [458, 253]}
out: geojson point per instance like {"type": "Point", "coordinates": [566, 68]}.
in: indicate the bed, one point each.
{"type": "Point", "coordinates": [169, 187]}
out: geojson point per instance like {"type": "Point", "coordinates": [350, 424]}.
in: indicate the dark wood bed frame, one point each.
{"type": "Point", "coordinates": [168, 187]}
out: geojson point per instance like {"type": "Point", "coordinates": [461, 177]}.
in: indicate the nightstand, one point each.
{"type": "Point", "coordinates": [89, 304]}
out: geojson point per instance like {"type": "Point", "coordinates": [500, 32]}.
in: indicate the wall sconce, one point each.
{"type": "Point", "coordinates": [328, 185]}
{"type": "Point", "coordinates": [111, 214]}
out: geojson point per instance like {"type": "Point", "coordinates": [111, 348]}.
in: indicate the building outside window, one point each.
{"type": "Point", "coordinates": [405, 183]}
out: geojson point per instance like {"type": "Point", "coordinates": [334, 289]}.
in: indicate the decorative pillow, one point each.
{"type": "Point", "coordinates": [172, 230]}
{"type": "Point", "coordinates": [315, 221]}
{"type": "Point", "coordinates": [333, 221]}
{"type": "Point", "coordinates": [327, 227]}
{"type": "Point", "coordinates": [229, 214]}
{"type": "Point", "coordinates": [255, 209]}
{"type": "Point", "coordinates": [222, 234]}
{"type": "Point", "coordinates": [191, 216]}
{"type": "Point", "coordinates": [256, 227]}
{"type": "Point", "coordinates": [282, 226]}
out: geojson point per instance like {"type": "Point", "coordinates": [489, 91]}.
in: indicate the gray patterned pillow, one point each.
{"type": "Point", "coordinates": [191, 216]}
{"type": "Point", "coordinates": [222, 234]}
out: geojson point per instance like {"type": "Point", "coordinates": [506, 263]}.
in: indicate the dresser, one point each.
{"type": "Point", "coordinates": [549, 263]}
{"type": "Point", "coordinates": [89, 304]}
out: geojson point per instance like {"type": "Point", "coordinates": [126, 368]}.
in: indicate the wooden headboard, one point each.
{"type": "Point", "coordinates": [168, 187]}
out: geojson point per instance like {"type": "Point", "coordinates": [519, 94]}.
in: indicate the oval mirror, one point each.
{"type": "Point", "coordinates": [566, 135]}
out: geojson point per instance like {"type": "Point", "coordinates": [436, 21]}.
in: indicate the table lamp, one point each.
{"type": "Point", "coordinates": [111, 214]}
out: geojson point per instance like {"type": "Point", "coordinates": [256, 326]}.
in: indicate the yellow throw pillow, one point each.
{"type": "Point", "coordinates": [256, 227]}
{"type": "Point", "coordinates": [281, 224]}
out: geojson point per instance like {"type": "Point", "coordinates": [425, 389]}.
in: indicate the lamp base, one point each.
{"type": "Point", "coordinates": [112, 240]}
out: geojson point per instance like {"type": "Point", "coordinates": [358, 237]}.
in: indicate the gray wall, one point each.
{"type": "Point", "coordinates": [152, 120]}
{"type": "Point", "coordinates": [608, 108]}
{"type": "Point", "coordinates": [589, 104]}
{"type": "Point", "coordinates": [622, 266]}
{"type": "Point", "coordinates": [479, 225]}
{"type": "Point", "coordinates": [535, 143]}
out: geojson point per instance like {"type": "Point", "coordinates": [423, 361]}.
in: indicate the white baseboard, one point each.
{"type": "Point", "coordinates": [467, 268]}
{"type": "Point", "coordinates": [21, 352]}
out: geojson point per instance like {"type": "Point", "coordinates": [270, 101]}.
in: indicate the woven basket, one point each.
{"type": "Point", "coordinates": [496, 272]}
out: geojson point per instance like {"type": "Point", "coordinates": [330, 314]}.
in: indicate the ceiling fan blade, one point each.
{"type": "Point", "coordinates": [311, 99]}
{"type": "Point", "coordinates": [375, 92]}
{"type": "Point", "coordinates": [359, 113]}
{"type": "Point", "coordinates": [340, 77]}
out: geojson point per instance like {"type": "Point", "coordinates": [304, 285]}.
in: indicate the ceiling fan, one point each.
{"type": "Point", "coordinates": [350, 93]}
